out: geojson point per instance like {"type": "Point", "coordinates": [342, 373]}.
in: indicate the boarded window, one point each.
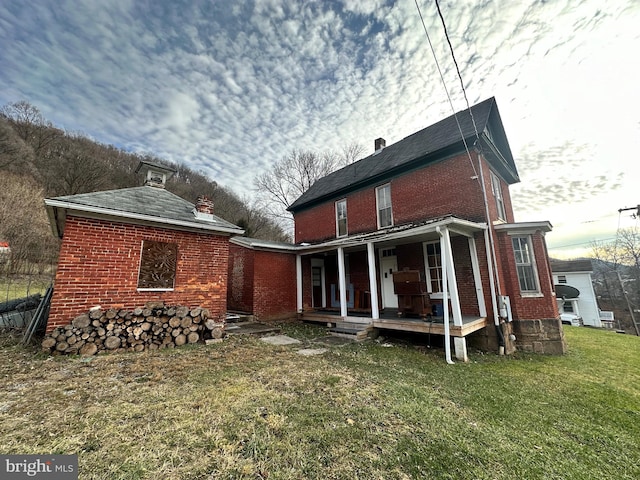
{"type": "Point", "coordinates": [158, 265]}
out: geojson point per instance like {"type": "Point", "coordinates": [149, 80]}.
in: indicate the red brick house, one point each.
{"type": "Point", "coordinates": [123, 248]}
{"type": "Point", "coordinates": [436, 208]}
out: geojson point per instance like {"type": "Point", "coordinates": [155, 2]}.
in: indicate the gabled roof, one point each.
{"type": "Point", "coordinates": [144, 205]}
{"type": "Point", "coordinates": [434, 143]}
{"type": "Point", "coordinates": [570, 266]}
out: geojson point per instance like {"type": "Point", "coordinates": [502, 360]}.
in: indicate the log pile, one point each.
{"type": "Point", "coordinates": [154, 326]}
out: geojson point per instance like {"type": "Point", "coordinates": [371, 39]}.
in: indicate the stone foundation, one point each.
{"type": "Point", "coordinates": [540, 336]}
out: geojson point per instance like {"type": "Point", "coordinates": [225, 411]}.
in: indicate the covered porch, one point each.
{"type": "Point", "coordinates": [406, 278]}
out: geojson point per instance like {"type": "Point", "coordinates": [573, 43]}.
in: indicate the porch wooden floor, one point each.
{"type": "Point", "coordinates": [390, 321]}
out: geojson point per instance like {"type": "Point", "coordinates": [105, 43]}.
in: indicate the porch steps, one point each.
{"type": "Point", "coordinates": [354, 330]}
{"type": "Point", "coordinates": [239, 317]}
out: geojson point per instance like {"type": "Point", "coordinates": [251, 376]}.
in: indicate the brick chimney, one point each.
{"type": "Point", "coordinates": [380, 143]}
{"type": "Point", "coordinates": [204, 205]}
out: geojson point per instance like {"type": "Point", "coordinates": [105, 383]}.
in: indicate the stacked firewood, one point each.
{"type": "Point", "coordinates": [154, 326]}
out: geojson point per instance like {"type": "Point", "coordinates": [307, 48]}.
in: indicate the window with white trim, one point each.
{"type": "Point", "coordinates": [525, 264]}
{"type": "Point", "coordinates": [496, 189]}
{"type": "Point", "coordinates": [383, 202]}
{"type": "Point", "coordinates": [433, 267]}
{"type": "Point", "coordinates": [341, 218]}
{"type": "Point", "coordinates": [562, 279]}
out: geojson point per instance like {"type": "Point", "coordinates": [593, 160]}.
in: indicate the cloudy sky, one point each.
{"type": "Point", "coordinates": [229, 87]}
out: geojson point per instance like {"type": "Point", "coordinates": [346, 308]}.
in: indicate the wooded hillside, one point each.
{"type": "Point", "coordinates": [39, 160]}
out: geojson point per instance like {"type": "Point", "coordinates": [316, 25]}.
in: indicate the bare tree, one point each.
{"type": "Point", "coordinates": [30, 125]}
{"type": "Point", "coordinates": [13, 149]}
{"type": "Point", "coordinates": [72, 167]}
{"type": "Point", "coordinates": [24, 224]}
{"type": "Point", "coordinates": [619, 271]}
{"type": "Point", "coordinates": [294, 174]}
{"type": "Point", "coordinates": [352, 152]}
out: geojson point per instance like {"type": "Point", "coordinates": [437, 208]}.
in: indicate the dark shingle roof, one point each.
{"type": "Point", "coordinates": [151, 202]}
{"type": "Point", "coordinates": [568, 266]}
{"type": "Point", "coordinates": [428, 145]}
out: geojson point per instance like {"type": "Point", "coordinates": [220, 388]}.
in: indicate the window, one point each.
{"type": "Point", "coordinates": [433, 267]}
{"type": "Point", "coordinates": [383, 201]}
{"type": "Point", "coordinates": [525, 264]}
{"type": "Point", "coordinates": [341, 218]}
{"type": "Point", "coordinates": [562, 279]}
{"type": "Point", "coordinates": [496, 189]}
{"type": "Point", "coordinates": [157, 265]}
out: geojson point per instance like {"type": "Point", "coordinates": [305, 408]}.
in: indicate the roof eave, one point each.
{"type": "Point", "coordinates": [418, 162]}
{"type": "Point", "coordinates": [56, 208]}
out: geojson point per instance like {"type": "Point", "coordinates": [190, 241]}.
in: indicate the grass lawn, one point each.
{"type": "Point", "coordinates": [245, 409]}
{"type": "Point", "coordinates": [21, 286]}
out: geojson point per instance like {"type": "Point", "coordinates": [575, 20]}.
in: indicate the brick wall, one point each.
{"type": "Point", "coordinates": [527, 307]}
{"type": "Point", "coordinates": [240, 291]}
{"type": "Point", "coordinates": [442, 188]}
{"type": "Point", "coordinates": [274, 289]}
{"type": "Point", "coordinates": [99, 262]}
{"type": "Point", "coordinates": [262, 283]}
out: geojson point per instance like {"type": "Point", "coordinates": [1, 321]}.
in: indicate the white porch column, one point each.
{"type": "Point", "coordinates": [477, 279]}
{"type": "Point", "coordinates": [452, 283]}
{"type": "Point", "coordinates": [373, 282]}
{"type": "Point", "coordinates": [342, 283]}
{"type": "Point", "coordinates": [299, 282]}
{"type": "Point", "coordinates": [449, 277]}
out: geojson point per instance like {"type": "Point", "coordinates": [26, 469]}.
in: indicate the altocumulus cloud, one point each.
{"type": "Point", "coordinates": [230, 87]}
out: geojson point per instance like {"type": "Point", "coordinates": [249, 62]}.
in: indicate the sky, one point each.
{"type": "Point", "coordinates": [230, 87]}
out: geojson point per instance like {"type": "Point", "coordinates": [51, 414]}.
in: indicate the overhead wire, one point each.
{"type": "Point", "coordinates": [455, 62]}
{"type": "Point", "coordinates": [444, 84]}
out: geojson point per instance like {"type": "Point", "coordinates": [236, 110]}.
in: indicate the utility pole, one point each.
{"type": "Point", "coordinates": [636, 208]}
{"type": "Point", "coordinates": [624, 292]}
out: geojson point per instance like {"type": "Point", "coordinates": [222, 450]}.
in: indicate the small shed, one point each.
{"type": "Point", "coordinates": [123, 248]}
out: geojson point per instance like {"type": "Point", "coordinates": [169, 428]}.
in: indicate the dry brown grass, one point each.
{"type": "Point", "coordinates": [244, 409]}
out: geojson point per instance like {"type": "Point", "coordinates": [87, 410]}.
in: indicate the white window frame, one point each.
{"type": "Point", "coordinates": [428, 267]}
{"type": "Point", "coordinates": [339, 218]}
{"type": "Point", "coordinates": [525, 259]}
{"type": "Point", "coordinates": [387, 204]}
{"type": "Point", "coordinates": [496, 189]}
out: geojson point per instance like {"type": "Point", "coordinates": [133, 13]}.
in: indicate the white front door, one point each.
{"type": "Point", "coordinates": [388, 265]}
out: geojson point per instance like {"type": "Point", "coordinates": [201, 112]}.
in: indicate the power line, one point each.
{"type": "Point", "coordinates": [444, 84]}
{"type": "Point", "coordinates": [464, 92]}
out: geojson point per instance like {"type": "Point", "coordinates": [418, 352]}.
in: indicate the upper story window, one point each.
{"type": "Point", "coordinates": [341, 218]}
{"type": "Point", "coordinates": [562, 279]}
{"type": "Point", "coordinates": [383, 202]}
{"type": "Point", "coordinates": [158, 262]}
{"type": "Point", "coordinates": [433, 267]}
{"type": "Point", "coordinates": [496, 189]}
{"type": "Point", "coordinates": [525, 264]}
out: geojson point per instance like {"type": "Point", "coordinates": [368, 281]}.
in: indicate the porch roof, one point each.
{"type": "Point", "coordinates": [410, 232]}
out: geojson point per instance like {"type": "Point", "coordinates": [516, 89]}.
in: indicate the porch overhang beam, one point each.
{"type": "Point", "coordinates": [456, 225]}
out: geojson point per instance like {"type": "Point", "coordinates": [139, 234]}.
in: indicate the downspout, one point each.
{"type": "Point", "coordinates": [445, 298]}
{"type": "Point", "coordinates": [494, 278]}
